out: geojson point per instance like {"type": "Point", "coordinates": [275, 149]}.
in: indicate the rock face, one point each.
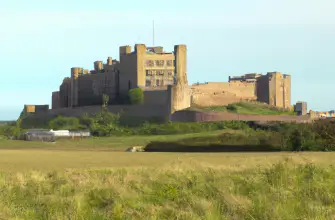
{"type": "Point", "coordinates": [135, 149]}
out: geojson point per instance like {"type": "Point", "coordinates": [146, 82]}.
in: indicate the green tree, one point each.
{"type": "Point", "coordinates": [66, 123]}
{"type": "Point", "coordinates": [136, 96]}
{"type": "Point", "coordinates": [105, 101]}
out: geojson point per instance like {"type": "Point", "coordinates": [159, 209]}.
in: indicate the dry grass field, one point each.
{"type": "Point", "coordinates": [49, 160]}
{"type": "Point", "coordinates": [95, 179]}
{"type": "Point", "coordinates": [109, 152]}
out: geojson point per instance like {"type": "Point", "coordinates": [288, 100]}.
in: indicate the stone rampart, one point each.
{"type": "Point", "coordinates": [145, 111]}
{"type": "Point", "coordinates": [222, 93]}
{"type": "Point", "coordinates": [195, 116]}
{"type": "Point", "coordinates": [157, 96]}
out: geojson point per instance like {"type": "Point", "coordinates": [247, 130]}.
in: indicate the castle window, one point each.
{"type": "Point", "coordinates": [169, 62]}
{"type": "Point", "coordinates": [148, 83]}
{"type": "Point", "coordinates": [157, 82]}
{"type": "Point", "coordinates": [170, 73]}
{"type": "Point", "coordinates": [149, 63]}
{"type": "Point", "coordinates": [159, 73]}
{"type": "Point", "coordinates": [159, 63]}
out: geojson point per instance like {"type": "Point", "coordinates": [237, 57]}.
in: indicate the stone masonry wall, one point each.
{"type": "Point", "coordinates": [194, 116]}
{"type": "Point", "coordinates": [156, 96]}
{"type": "Point", "coordinates": [129, 110]}
{"type": "Point", "coordinates": [222, 93]}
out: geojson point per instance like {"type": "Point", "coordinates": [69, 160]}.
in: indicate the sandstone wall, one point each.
{"type": "Point", "coordinates": [179, 97]}
{"type": "Point", "coordinates": [222, 93]}
{"type": "Point", "coordinates": [194, 116]}
{"type": "Point", "coordinates": [275, 89]}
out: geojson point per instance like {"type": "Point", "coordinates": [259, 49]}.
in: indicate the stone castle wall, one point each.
{"type": "Point", "coordinates": [36, 108]}
{"type": "Point", "coordinates": [145, 111]}
{"type": "Point", "coordinates": [222, 93]}
{"type": "Point", "coordinates": [179, 97]}
{"type": "Point", "coordinates": [194, 116]}
{"type": "Point", "coordinates": [91, 88]}
{"type": "Point", "coordinates": [156, 96]}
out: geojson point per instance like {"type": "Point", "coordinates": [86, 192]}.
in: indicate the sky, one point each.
{"type": "Point", "coordinates": [41, 40]}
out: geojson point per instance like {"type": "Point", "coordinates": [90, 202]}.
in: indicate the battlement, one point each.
{"type": "Point", "coordinates": [248, 78]}
{"type": "Point", "coordinates": [35, 108]}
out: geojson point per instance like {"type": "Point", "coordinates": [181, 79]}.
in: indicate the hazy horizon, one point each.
{"type": "Point", "coordinates": [42, 41]}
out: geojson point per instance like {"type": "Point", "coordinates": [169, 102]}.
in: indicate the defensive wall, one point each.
{"type": "Point", "coordinates": [159, 103]}
{"type": "Point", "coordinates": [195, 116]}
{"type": "Point", "coordinates": [273, 88]}
{"type": "Point", "coordinates": [222, 93]}
{"type": "Point", "coordinates": [156, 96]}
{"type": "Point", "coordinates": [36, 108]}
{"type": "Point", "coordinates": [145, 111]}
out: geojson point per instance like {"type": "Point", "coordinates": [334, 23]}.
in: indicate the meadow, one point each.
{"type": "Point", "coordinates": [49, 183]}
{"type": "Point", "coordinates": [95, 179]}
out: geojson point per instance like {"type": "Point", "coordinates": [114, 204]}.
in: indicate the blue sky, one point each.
{"type": "Point", "coordinates": [40, 42]}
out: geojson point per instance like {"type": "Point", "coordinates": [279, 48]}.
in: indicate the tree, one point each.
{"type": "Point", "coordinates": [136, 96]}
{"type": "Point", "coordinates": [66, 123]}
{"type": "Point", "coordinates": [105, 101]}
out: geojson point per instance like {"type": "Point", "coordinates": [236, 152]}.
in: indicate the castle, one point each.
{"type": "Point", "coordinates": [163, 78]}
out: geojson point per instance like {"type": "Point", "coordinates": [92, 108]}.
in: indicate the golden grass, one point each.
{"type": "Point", "coordinates": [220, 187]}
{"type": "Point", "coordinates": [24, 160]}
{"type": "Point", "coordinates": [94, 179]}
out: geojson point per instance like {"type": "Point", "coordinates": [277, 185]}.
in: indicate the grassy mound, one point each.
{"type": "Point", "coordinates": [248, 108]}
{"type": "Point", "coordinates": [179, 191]}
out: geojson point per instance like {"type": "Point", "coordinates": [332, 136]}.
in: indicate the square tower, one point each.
{"type": "Point", "coordinates": [151, 67]}
{"type": "Point", "coordinates": [274, 88]}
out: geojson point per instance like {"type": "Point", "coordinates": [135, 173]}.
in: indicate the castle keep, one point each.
{"type": "Point", "coordinates": [149, 68]}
